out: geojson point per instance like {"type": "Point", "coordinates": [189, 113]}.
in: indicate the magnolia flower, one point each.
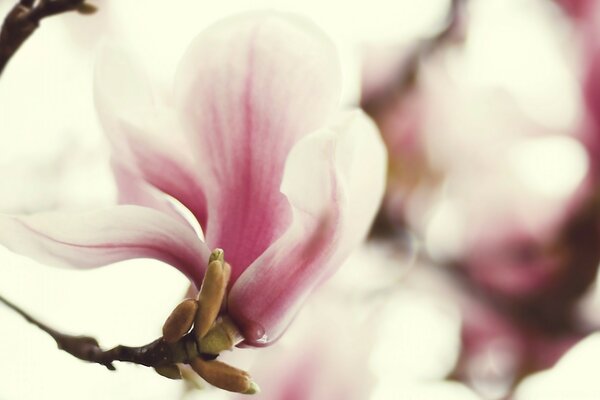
{"type": "Point", "coordinates": [400, 111]}
{"type": "Point", "coordinates": [248, 143]}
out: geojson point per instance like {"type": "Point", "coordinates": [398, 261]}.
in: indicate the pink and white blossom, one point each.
{"type": "Point", "coordinates": [250, 143]}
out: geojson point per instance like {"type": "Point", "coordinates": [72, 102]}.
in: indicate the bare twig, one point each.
{"type": "Point", "coordinates": [193, 334]}
{"type": "Point", "coordinates": [24, 19]}
{"type": "Point", "coordinates": [156, 354]}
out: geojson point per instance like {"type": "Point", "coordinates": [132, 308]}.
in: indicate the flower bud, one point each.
{"type": "Point", "coordinates": [180, 321]}
{"type": "Point", "coordinates": [211, 295]}
{"type": "Point", "coordinates": [217, 255]}
{"type": "Point", "coordinates": [169, 371]}
{"type": "Point", "coordinates": [225, 376]}
{"type": "Point", "coordinates": [86, 9]}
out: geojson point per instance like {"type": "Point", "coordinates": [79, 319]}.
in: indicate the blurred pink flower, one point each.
{"type": "Point", "coordinates": [387, 336]}
{"type": "Point", "coordinates": [584, 18]}
{"type": "Point", "coordinates": [498, 350]}
{"type": "Point", "coordinates": [514, 211]}
{"type": "Point", "coordinates": [469, 172]}
{"type": "Point", "coordinates": [545, 258]}
{"type": "Point", "coordinates": [400, 111]}
{"type": "Point", "coordinates": [578, 9]}
{"type": "Point", "coordinates": [247, 146]}
{"type": "Point", "coordinates": [591, 87]}
{"type": "Point", "coordinates": [321, 357]}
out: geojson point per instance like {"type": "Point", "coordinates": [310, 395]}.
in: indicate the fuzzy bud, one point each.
{"type": "Point", "coordinates": [180, 321]}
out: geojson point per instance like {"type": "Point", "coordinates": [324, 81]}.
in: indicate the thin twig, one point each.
{"type": "Point", "coordinates": [24, 19]}
{"type": "Point", "coordinates": [156, 354]}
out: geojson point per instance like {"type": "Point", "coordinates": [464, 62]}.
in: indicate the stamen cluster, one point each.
{"type": "Point", "coordinates": [211, 334]}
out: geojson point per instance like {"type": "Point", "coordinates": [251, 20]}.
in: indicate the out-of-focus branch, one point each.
{"type": "Point", "coordinates": [24, 19]}
{"type": "Point", "coordinates": [408, 71]}
{"type": "Point", "coordinates": [157, 354]}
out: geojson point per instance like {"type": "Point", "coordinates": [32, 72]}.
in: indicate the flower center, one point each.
{"type": "Point", "coordinates": [199, 319]}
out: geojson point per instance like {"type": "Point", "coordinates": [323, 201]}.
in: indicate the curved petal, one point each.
{"type": "Point", "coordinates": [132, 189]}
{"type": "Point", "coordinates": [246, 90]}
{"type": "Point", "coordinates": [147, 142]}
{"type": "Point", "coordinates": [88, 240]}
{"type": "Point", "coordinates": [334, 179]}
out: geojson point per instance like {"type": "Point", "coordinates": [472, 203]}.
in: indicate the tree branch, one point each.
{"type": "Point", "coordinates": [156, 354]}
{"type": "Point", "coordinates": [24, 19]}
{"type": "Point", "coordinates": [193, 334]}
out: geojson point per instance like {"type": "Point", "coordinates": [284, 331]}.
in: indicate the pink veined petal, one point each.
{"type": "Point", "coordinates": [147, 142]}
{"type": "Point", "coordinates": [132, 189]}
{"type": "Point", "coordinates": [95, 239]}
{"type": "Point", "coordinates": [247, 89]}
{"type": "Point", "coordinates": [158, 165]}
{"type": "Point", "coordinates": [335, 180]}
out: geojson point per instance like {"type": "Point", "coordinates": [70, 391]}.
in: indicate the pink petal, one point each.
{"type": "Point", "coordinates": [247, 89]}
{"type": "Point", "coordinates": [88, 240]}
{"type": "Point", "coordinates": [132, 189]}
{"type": "Point", "coordinates": [334, 179]}
{"type": "Point", "coordinates": [146, 140]}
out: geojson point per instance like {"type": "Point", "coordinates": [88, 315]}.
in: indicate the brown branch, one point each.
{"type": "Point", "coordinates": [24, 19]}
{"type": "Point", "coordinates": [193, 334]}
{"type": "Point", "coordinates": [156, 354]}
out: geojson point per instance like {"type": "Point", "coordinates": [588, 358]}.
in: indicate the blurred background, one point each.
{"type": "Point", "coordinates": [478, 280]}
